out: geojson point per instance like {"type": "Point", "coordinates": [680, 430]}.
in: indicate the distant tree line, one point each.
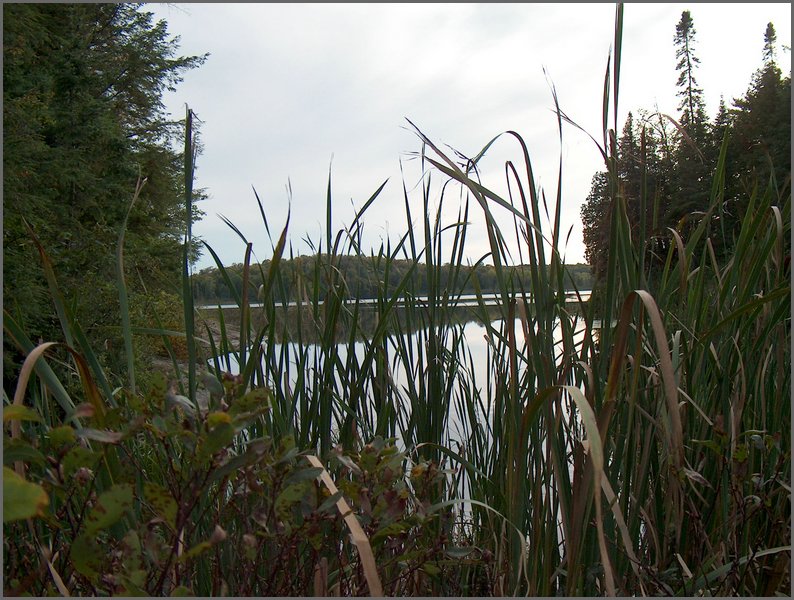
{"type": "Point", "coordinates": [665, 169]}
{"type": "Point", "coordinates": [362, 277]}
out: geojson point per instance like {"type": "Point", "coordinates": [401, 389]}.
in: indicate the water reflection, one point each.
{"type": "Point", "coordinates": [359, 320]}
{"type": "Point", "coordinates": [473, 350]}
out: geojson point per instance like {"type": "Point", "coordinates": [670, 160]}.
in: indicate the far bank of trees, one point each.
{"type": "Point", "coordinates": [666, 169]}
{"type": "Point", "coordinates": [362, 277]}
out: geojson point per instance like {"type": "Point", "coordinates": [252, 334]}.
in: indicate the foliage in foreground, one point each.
{"type": "Point", "coordinates": [171, 504]}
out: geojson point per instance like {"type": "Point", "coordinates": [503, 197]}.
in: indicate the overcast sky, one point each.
{"type": "Point", "coordinates": [289, 86]}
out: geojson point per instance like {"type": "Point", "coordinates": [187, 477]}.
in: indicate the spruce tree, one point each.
{"type": "Point", "coordinates": [83, 119]}
{"type": "Point", "coordinates": [762, 119]}
{"type": "Point", "coordinates": [692, 106]}
{"type": "Point", "coordinates": [692, 174]}
{"type": "Point", "coordinates": [596, 216]}
{"type": "Point", "coordinates": [760, 136]}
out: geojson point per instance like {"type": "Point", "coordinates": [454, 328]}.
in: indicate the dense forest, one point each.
{"type": "Point", "coordinates": [361, 276]}
{"type": "Point", "coordinates": [83, 125]}
{"type": "Point", "coordinates": [666, 163]}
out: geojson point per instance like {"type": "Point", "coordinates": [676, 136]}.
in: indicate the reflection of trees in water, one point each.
{"type": "Point", "coordinates": [310, 324]}
{"type": "Point", "coordinates": [306, 325]}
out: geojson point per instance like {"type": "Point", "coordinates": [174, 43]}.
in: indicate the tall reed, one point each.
{"type": "Point", "coordinates": [611, 459]}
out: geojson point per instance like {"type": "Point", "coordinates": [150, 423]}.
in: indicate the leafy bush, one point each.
{"type": "Point", "coordinates": [164, 309]}
{"type": "Point", "coordinates": [149, 499]}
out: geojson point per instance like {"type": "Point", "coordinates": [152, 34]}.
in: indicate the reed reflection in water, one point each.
{"type": "Point", "coordinates": [476, 368]}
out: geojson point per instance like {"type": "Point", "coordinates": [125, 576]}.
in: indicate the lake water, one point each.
{"type": "Point", "coordinates": [480, 376]}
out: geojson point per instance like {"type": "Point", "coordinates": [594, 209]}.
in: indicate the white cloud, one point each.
{"type": "Point", "coordinates": [289, 85]}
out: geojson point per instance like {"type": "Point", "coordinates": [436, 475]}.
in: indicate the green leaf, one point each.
{"type": "Point", "coordinates": [133, 558]}
{"type": "Point", "coordinates": [431, 569]}
{"type": "Point", "coordinates": [158, 387]}
{"type": "Point", "coordinates": [18, 412]}
{"type": "Point", "coordinates": [329, 504]}
{"type": "Point", "coordinates": [62, 436]}
{"type": "Point", "coordinates": [216, 418]}
{"type": "Point", "coordinates": [290, 495]}
{"type": "Point", "coordinates": [256, 400]}
{"type": "Point", "coordinates": [308, 474]}
{"type": "Point", "coordinates": [218, 535]}
{"type": "Point", "coordinates": [217, 439]}
{"type": "Point", "coordinates": [109, 508]}
{"type": "Point", "coordinates": [133, 584]}
{"type": "Point", "coordinates": [14, 450]}
{"type": "Point", "coordinates": [196, 550]}
{"type": "Point", "coordinates": [390, 530]}
{"type": "Point", "coordinates": [181, 591]}
{"type": "Point", "coordinates": [234, 464]}
{"type": "Point", "coordinates": [159, 424]}
{"type": "Point", "coordinates": [741, 453]}
{"type": "Point", "coordinates": [162, 502]}
{"type": "Point", "coordinates": [79, 457]}
{"type": "Point", "coordinates": [710, 444]}
{"type": "Point", "coordinates": [21, 499]}
{"type": "Point", "coordinates": [87, 556]}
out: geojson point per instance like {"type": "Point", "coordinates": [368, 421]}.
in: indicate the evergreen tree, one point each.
{"type": "Point", "coordinates": [692, 106]}
{"type": "Point", "coordinates": [596, 218]}
{"type": "Point", "coordinates": [629, 166]}
{"type": "Point", "coordinates": [721, 125]}
{"type": "Point", "coordinates": [660, 166]}
{"type": "Point", "coordinates": [679, 163]}
{"type": "Point", "coordinates": [720, 129]}
{"type": "Point", "coordinates": [759, 127]}
{"type": "Point", "coordinates": [83, 119]}
{"type": "Point", "coordinates": [645, 169]}
{"type": "Point", "coordinates": [770, 38]}
{"type": "Point", "coordinates": [762, 120]}
{"type": "Point", "coordinates": [692, 171]}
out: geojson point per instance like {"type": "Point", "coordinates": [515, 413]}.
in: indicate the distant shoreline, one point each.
{"type": "Point", "coordinates": [463, 301]}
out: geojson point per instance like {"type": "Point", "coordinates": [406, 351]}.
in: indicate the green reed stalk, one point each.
{"type": "Point", "coordinates": [187, 288]}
